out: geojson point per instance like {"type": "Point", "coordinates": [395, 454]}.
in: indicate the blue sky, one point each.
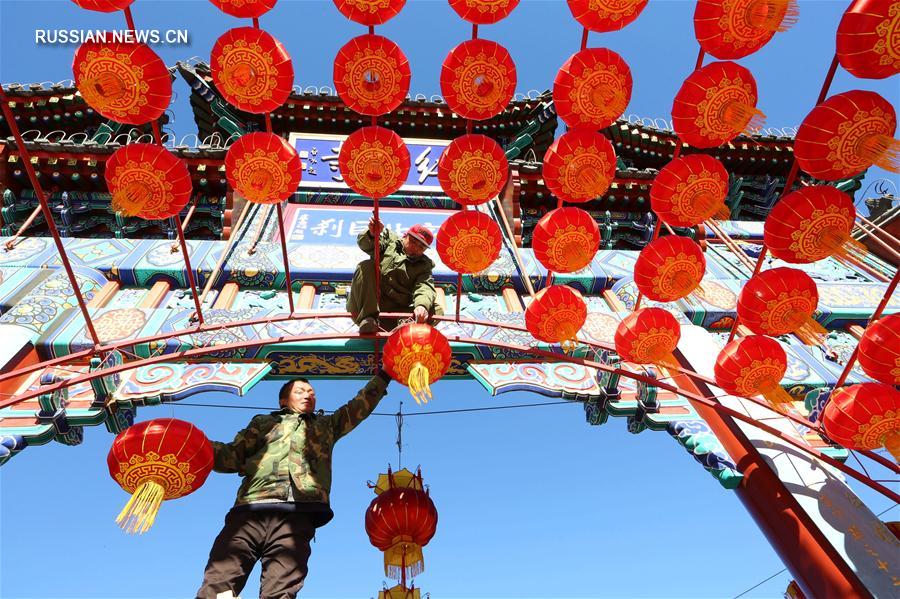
{"type": "Point", "coordinates": [533, 502]}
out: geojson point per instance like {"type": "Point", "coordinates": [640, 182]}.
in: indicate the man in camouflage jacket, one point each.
{"type": "Point", "coordinates": [284, 458]}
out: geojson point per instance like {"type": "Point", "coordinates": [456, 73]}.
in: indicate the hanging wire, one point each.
{"type": "Point", "coordinates": [399, 418]}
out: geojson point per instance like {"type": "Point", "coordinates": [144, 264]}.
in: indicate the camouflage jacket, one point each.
{"type": "Point", "coordinates": [406, 281]}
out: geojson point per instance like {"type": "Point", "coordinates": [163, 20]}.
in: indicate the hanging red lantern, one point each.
{"type": "Point", "coordinates": [606, 15]}
{"type": "Point", "coordinates": [555, 315]}
{"type": "Point", "coordinates": [483, 12]}
{"type": "Point", "coordinates": [592, 89]}
{"type": "Point", "coordinates": [669, 268]}
{"type": "Point", "coordinates": [371, 75]}
{"type": "Point", "coordinates": [810, 224]}
{"type": "Point", "coordinates": [263, 168]}
{"type": "Point", "coordinates": [579, 166]}
{"type": "Point", "coordinates": [157, 460]}
{"type": "Point", "coordinates": [252, 70]}
{"type": "Point", "coordinates": [648, 336]}
{"type": "Point", "coordinates": [565, 240]}
{"type": "Point", "coordinates": [715, 104]}
{"type": "Point", "coordinates": [369, 12]}
{"type": "Point", "coordinates": [478, 79]}
{"type": "Point", "coordinates": [417, 355]}
{"type": "Point", "coordinates": [125, 82]}
{"type": "Point", "coordinates": [689, 190]}
{"type": "Point", "coordinates": [732, 29]}
{"type": "Point", "coordinates": [473, 169]}
{"type": "Point", "coordinates": [148, 181]}
{"type": "Point", "coordinates": [864, 416]}
{"type": "Point", "coordinates": [244, 9]}
{"type": "Point", "coordinates": [469, 242]}
{"type": "Point", "coordinates": [753, 365]}
{"type": "Point", "coordinates": [779, 301]}
{"type": "Point", "coordinates": [846, 134]}
{"type": "Point", "coordinates": [867, 42]}
{"type": "Point", "coordinates": [104, 5]}
{"type": "Point", "coordinates": [374, 162]}
{"type": "Point", "coordinates": [879, 350]}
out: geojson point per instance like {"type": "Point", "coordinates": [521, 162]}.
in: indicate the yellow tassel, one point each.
{"type": "Point", "coordinates": [403, 555]}
{"type": "Point", "coordinates": [892, 444]}
{"type": "Point", "coordinates": [139, 513]}
{"type": "Point", "coordinates": [812, 330]}
{"type": "Point", "coordinates": [777, 397]}
{"type": "Point", "coordinates": [881, 150]}
{"type": "Point", "coordinates": [773, 15]}
{"type": "Point", "coordinates": [418, 382]}
{"type": "Point", "coordinates": [667, 361]}
{"type": "Point", "coordinates": [743, 117]}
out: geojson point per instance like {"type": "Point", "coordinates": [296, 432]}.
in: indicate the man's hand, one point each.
{"type": "Point", "coordinates": [372, 227]}
{"type": "Point", "coordinates": [421, 314]}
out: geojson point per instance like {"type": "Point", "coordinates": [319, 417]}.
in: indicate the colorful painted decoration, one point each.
{"type": "Point", "coordinates": [244, 9]}
{"type": "Point", "coordinates": [469, 241]}
{"type": "Point", "coordinates": [417, 355]}
{"type": "Point", "coordinates": [370, 12]}
{"type": "Point", "coordinates": [125, 82]}
{"type": "Point", "coordinates": [374, 162]}
{"type": "Point", "coordinates": [846, 134]}
{"type": "Point", "coordinates": [565, 240]}
{"type": "Point", "coordinates": [606, 15]}
{"type": "Point", "coordinates": [867, 42]}
{"type": "Point", "coordinates": [732, 29]}
{"type": "Point", "coordinates": [579, 166]}
{"type": "Point", "coordinates": [778, 301]}
{"type": "Point", "coordinates": [715, 104]}
{"type": "Point", "coordinates": [483, 12]}
{"type": "Point", "coordinates": [473, 169]}
{"type": "Point", "coordinates": [478, 79]}
{"type": "Point", "coordinates": [263, 168]}
{"type": "Point", "coordinates": [753, 365]}
{"type": "Point", "coordinates": [555, 315]}
{"type": "Point", "coordinates": [810, 224]}
{"type": "Point", "coordinates": [879, 350]}
{"type": "Point", "coordinates": [156, 460]}
{"type": "Point", "coordinates": [689, 190]}
{"type": "Point", "coordinates": [104, 5]}
{"type": "Point", "coordinates": [648, 336]}
{"type": "Point", "coordinates": [252, 70]}
{"type": "Point", "coordinates": [592, 89]}
{"type": "Point", "coordinates": [148, 181]}
{"type": "Point", "coordinates": [669, 268]}
{"type": "Point", "coordinates": [864, 416]}
{"type": "Point", "coordinates": [371, 75]}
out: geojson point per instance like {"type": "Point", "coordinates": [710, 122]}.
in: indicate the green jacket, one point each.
{"type": "Point", "coordinates": [406, 282]}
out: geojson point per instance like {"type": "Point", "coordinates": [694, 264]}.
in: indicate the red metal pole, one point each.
{"type": "Point", "coordinates": [187, 265]}
{"type": "Point", "coordinates": [11, 243]}
{"type": "Point", "coordinates": [284, 254]}
{"type": "Point", "coordinates": [654, 237]}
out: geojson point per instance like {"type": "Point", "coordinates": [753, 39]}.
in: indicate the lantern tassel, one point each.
{"type": "Point", "coordinates": [892, 444]}
{"type": "Point", "coordinates": [777, 397]}
{"type": "Point", "coordinates": [139, 513]}
{"type": "Point", "coordinates": [774, 15]}
{"type": "Point", "coordinates": [667, 361]}
{"type": "Point", "coordinates": [812, 330]}
{"type": "Point", "coordinates": [883, 151]}
{"type": "Point", "coordinates": [743, 117]}
{"type": "Point", "coordinates": [403, 557]}
{"type": "Point", "coordinates": [418, 382]}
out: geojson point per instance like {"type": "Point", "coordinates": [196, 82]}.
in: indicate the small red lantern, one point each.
{"type": "Point", "coordinates": [867, 43]}
{"type": "Point", "coordinates": [592, 89]}
{"type": "Point", "coordinates": [104, 5]}
{"type": "Point", "coordinates": [606, 15]}
{"type": "Point", "coordinates": [374, 162]}
{"type": "Point", "coordinates": [124, 82]}
{"type": "Point", "coordinates": [864, 416]}
{"type": "Point", "coordinates": [263, 167]}
{"type": "Point", "coordinates": [579, 166]}
{"type": "Point", "coordinates": [846, 134]}
{"type": "Point", "coordinates": [669, 268]}
{"type": "Point", "coordinates": [555, 315]}
{"type": "Point", "coordinates": [244, 9]}
{"type": "Point", "coordinates": [715, 104]}
{"type": "Point", "coordinates": [473, 169]}
{"type": "Point", "coordinates": [417, 355]}
{"type": "Point", "coordinates": [483, 12]}
{"type": "Point", "coordinates": [148, 181]}
{"type": "Point", "coordinates": [252, 70]}
{"type": "Point", "coordinates": [478, 79]}
{"type": "Point", "coordinates": [753, 365]}
{"type": "Point", "coordinates": [779, 301]}
{"type": "Point", "coordinates": [879, 350]}
{"type": "Point", "coordinates": [689, 190]}
{"type": "Point", "coordinates": [369, 12]}
{"type": "Point", "coordinates": [469, 241]}
{"type": "Point", "coordinates": [157, 460]}
{"type": "Point", "coordinates": [732, 29]}
{"type": "Point", "coordinates": [648, 336]}
{"type": "Point", "coordinates": [371, 75]}
{"type": "Point", "coordinates": [565, 240]}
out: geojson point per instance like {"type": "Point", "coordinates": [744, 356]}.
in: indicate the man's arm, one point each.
{"type": "Point", "coordinates": [366, 239]}
{"type": "Point", "coordinates": [348, 416]}
{"type": "Point", "coordinates": [231, 457]}
{"type": "Point", "coordinates": [423, 291]}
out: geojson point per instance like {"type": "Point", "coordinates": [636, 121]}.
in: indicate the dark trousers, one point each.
{"type": "Point", "coordinates": [279, 539]}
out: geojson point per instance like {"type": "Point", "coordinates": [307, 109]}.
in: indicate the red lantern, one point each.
{"type": "Point", "coordinates": [648, 336]}
{"type": "Point", "coordinates": [715, 104]}
{"type": "Point", "coordinates": [469, 242]}
{"type": "Point", "coordinates": [864, 416]}
{"type": "Point", "coordinates": [669, 268]}
{"type": "Point", "coordinates": [565, 240]}
{"type": "Point", "coordinates": [374, 162]}
{"type": "Point", "coordinates": [124, 82]}
{"type": "Point", "coordinates": [157, 460]}
{"type": "Point", "coordinates": [244, 9]}
{"type": "Point", "coordinates": [810, 224]}
{"type": "Point", "coordinates": [263, 167]}
{"type": "Point", "coordinates": [369, 12]}
{"type": "Point", "coordinates": [846, 134]}
{"type": "Point", "coordinates": [592, 89]}
{"type": "Point", "coordinates": [252, 70]}
{"type": "Point", "coordinates": [879, 350]}
{"type": "Point", "coordinates": [606, 15]}
{"type": "Point", "coordinates": [579, 166]}
{"type": "Point", "coordinates": [689, 190]}
{"type": "Point", "coordinates": [867, 43]}
{"type": "Point", "coordinates": [104, 5]}
{"type": "Point", "coordinates": [147, 180]}
{"type": "Point", "coordinates": [732, 29]}
{"type": "Point", "coordinates": [753, 365]}
{"type": "Point", "coordinates": [473, 169]}
{"type": "Point", "coordinates": [417, 355]}
{"type": "Point", "coordinates": [371, 75]}
{"type": "Point", "coordinates": [779, 301]}
{"type": "Point", "coordinates": [555, 315]}
{"type": "Point", "coordinates": [483, 12]}
{"type": "Point", "coordinates": [478, 79]}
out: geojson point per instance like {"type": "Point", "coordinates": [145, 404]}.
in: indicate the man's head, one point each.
{"type": "Point", "coordinates": [297, 396]}
{"type": "Point", "coordinates": [417, 240]}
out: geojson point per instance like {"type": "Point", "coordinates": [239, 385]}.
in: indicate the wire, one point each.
{"type": "Point", "coordinates": [394, 415]}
